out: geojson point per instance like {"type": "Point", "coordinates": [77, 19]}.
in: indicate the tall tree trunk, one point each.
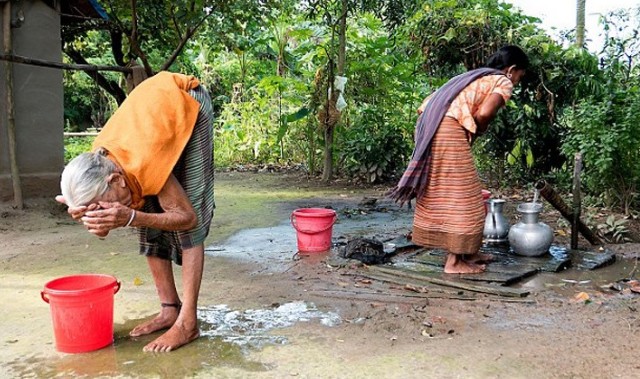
{"type": "Point", "coordinates": [580, 14]}
{"type": "Point", "coordinates": [342, 58]}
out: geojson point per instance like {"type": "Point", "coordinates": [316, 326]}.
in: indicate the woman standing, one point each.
{"type": "Point", "coordinates": [152, 168]}
{"type": "Point", "coordinates": [449, 211]}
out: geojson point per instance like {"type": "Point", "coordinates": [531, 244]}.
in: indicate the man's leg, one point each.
{"type": "Point", "coordinates": [185, 329]}
{"type": "Point", "coordinates": [162, 273]}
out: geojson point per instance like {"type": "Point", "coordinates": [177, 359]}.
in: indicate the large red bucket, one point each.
{"type": "Point", "coordinates": [314, 227]}
{"type": "Point", "coordinates": [82, 311]}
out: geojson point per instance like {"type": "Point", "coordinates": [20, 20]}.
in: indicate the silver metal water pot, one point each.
{"type": "Point", "coordinates": [529, 237]}
{"type": "Point", "coordinates": [496, 226]}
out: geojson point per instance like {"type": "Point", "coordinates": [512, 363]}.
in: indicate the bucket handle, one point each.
{"type": "Point", "coordinates": [45, 297]}
{"type": "Point", "coordinates": [295, 226]}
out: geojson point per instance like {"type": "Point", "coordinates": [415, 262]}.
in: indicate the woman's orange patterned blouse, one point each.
{"type": "Point", "coordinates": [465, 105]}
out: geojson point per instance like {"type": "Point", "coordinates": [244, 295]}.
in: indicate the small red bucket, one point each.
{"type": "Point", "coordinates": [82, 311]}
{"type": "Point", "coordinates": [314, 227]}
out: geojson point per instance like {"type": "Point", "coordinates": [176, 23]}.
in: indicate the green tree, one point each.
{"type": "Point", "coordinates": [153, 33]}
{"type": "Point", "coordinates": [335, 14]}
{"type": "Point", "coordinates": [605, 125]}
{"type": "Point", "coordinates": [454, 36]}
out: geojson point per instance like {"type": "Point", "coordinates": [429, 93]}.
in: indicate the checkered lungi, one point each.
{"type": "Point", "coordinates": [194, 171]}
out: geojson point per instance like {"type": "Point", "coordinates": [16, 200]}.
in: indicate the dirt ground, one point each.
{"type": "Point", "coordinates": [572, 325]}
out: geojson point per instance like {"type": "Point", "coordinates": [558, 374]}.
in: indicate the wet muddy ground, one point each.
{"type": "Point", "coordinates": [267, 312]}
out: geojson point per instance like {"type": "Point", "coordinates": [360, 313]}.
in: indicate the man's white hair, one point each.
{"type": "Point", "coordinates": [86, 177]}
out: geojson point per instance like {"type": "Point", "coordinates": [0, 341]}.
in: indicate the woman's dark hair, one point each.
{"type": "Point", "coordinates": [508, 56]}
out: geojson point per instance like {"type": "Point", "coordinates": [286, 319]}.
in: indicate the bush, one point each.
{"type": "Point", "coordinates": [375, 147]}
{"type": "Point", "coordinates": [74, 146]}
{"type": "Point", "coordinates": [608, 135]}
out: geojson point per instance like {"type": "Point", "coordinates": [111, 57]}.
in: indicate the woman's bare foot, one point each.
{"type": "Point", "coordinates": [178, 335]}
{"type": "Point", "coordinates": [165, 319]}
{"type": "Point", "coordinates": [455, 264]}
{"type": "Point", "coordinates": [478, 258]}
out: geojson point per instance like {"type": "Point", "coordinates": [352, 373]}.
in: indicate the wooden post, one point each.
{"type": "Point", "coordinates": [9, 101]}
{"type": "Point", "coordinates": [554, 199]}
{"type": "Point", "coordinates": [577, 200]}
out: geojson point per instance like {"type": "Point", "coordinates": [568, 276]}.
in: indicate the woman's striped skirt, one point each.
{"type": "Point", "coordinates": [450, 215]}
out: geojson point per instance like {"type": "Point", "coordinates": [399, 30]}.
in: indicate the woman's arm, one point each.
{"type": "Point", "coordinates": [178, 213]}
{"type": "Point", "coordinates": [487, 112]}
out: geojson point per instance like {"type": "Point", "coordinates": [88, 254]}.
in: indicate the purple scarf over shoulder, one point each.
{"type": "Point", "coordinates": [414, 180]}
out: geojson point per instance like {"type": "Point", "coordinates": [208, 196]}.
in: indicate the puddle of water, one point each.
{"type": "Point", "coordinates": [507, 256]}
{"type": "Point", "coordinates": [572, 280]}
{"type": "Point", "coordinates": [566, 282]}
{"type": "Point", "coordinates": [126, 359]}
{"type": "Point", "coordinates": [227, 336]}
{"type": "Point", "coordinates": [274, 247]}
{"type": "Point", "coordinates": [252, 327]}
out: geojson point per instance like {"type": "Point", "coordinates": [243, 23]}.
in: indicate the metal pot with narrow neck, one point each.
{"type": "Point", "coordinates": [496, 226]}
{"type": "Point", "coordinates": [530, 237]}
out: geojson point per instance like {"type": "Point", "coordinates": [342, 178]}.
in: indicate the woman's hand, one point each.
{"type": "Point", "coordinates": [77, 213]}
{"type": "Point", "coordinates": [105, 217]}
{"type": "Point", "coordinates": [178, 213]}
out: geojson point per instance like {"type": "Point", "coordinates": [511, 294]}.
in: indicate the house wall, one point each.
{"type": "Point", "coordinates": [38, 96]}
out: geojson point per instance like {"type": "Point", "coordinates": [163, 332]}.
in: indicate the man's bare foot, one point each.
{"type": "Point", "coordinates": [455, 264]}
{"type": "Point", "coordinates": [178, 335]}
{"type": "Point", "coordinates": [167, 317]}
{"type": "Point", "coordinates": [478, 258]}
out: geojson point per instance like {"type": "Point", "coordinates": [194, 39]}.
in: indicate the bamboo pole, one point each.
{"type": "Point", "coordinates": [9, 100]}
{"type": "Point", "coordinates": [552, 197]}
{"type": "Point", "coordinates": [8, 57]}
{"type": "Point", "coordinates": [577, 200]}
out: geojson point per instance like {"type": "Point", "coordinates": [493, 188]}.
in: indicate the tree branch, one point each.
{"type": "Point", "coordinates": [116, 46]}
{"type": "Point", "coordinates": [112, 88]}
{"type": "Point", "coordinates": [183, 41]}
{"type": "Point", "coordinates": [175, 21]}
{"type": "Point", "coordinates": [133, 40]}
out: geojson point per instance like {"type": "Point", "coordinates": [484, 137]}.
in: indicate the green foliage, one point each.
{"type": "Point", "coordinates": [374, 149]}
{"type": "Point", "coordinates": [74, 146]}
{"type": "Point", "coordinates": [450, 33]}
{"type": "Point", "coordinates": [605, 127]}
{"type": "Point", "coordinates": [274, 120]}
{"type": "Point", "coordinates": [607, 132]}
{"type": "Point", "coordinates": [77, 101]}
{"type": "Point", "coordinates": [253, 130]}
{"type": "Point", "coordinates": [456, 35]}
{"type": "Point", "coordinates": [86, 104]}
{"type": "Point", "coordinates": [614, 230]}
{"type": "Point", "coordinates": [453, 35]}
{"type": "Point", "coordinates": [383, 96]}
{"type": "Point", "coordinates": [267, 67]}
